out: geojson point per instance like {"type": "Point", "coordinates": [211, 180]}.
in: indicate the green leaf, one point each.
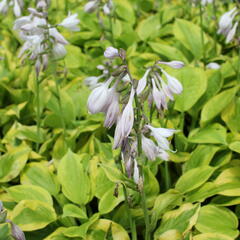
{"type": "Point", "coordinates": [75, 181]}
{"type": "Point", "coordinates": [12, 163]}
{"type": "Point", "coordinates": [31, 215]}
{"type": "Point", "coordinates": [189, 35]}
{"type": "Point", "coordinates": [74, 58]}
{"type": "Point", "coordinates": [211, 236]}
{"type": "Point", "coordinates": [125, 11]}
{"type": "Point", "coordinates": [116, 230]}
{"type": "Point", "coordinates": [231, 115]}
{"type": "Point", "coordinates": [214, 133]}
{"type": "Point", "coordinates": [194, 83]}
{"type": "Point", "coordinates": [5, 231]}
{"type": "Point", "coordinates": [217, 104]}
{"type": "Point", "coordinates": [38, 174]}
{"type": "Point", "coordinates": [148, 28]}
{"type": "Point", "coordinates": [108, 201]}
{"type": "Point", "coordinates": [201, 156]}
{"type": "Point", "coordinates": [163, 203]}
{"type": "Point", "coordinates": [70, 210]}
{"type": "Point", "coordinates": [220, 220]}
{"type": "Point", "coordinates": [194, 178]}
{"type": "Point", "coordinates": [113, 173]}
{"type": "Point", "coordinates": [29, 192]}
{"type": "Point", "coordinates": [181, 219]}
{"type": "Point", "coordinates": [235, 146]}
{"type": "Point", "coordinates": [169, 52]}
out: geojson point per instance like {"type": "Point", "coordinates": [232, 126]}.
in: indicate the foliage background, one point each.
{"type": "Point", "coordinates": [66, 190]}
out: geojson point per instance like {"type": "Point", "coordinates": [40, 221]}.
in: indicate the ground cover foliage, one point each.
{"type": "Point", "coordinates": [65, 180]}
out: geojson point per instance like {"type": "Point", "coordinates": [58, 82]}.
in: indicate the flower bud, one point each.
{"type": "Point", "coordinates": [98, 101]}
{"type": "Point", "coordinates": [173, 64]}
{"type": "Point", "coordinates": [120, 70]}
{"type": "Point", "coordinates": [17, 233]}
{"type": "Point", "coordinates": [136, 174]}
{"type": "Point", "coordinates": [213, 65]}
{"type": "Point", "coordinates": [71, 22]}
{"type": "Point", "coordinates": [91, 6]}
{"type": "Point", "coordinates": [122, 54]}
{"type": "Point", "coordinates": [111, 53]}
{"type": "Point", "coordinates": [59, 50]}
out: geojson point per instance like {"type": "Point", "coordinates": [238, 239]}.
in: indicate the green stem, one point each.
{"type": "Point", "coordinates": [238, 69]}
{"type": "Point", "coordinates": [61, 110]}
{"type": "Point", "coordinates": [38, 111]}
{"type": "Point", "coordinates": [143, 195]}
{"type": "Point", "coordinates": [216, 23]}
{"type": "Point", "coordinates": [202, 33]}
{"type": "Point", "coordinates": [131, 220]}
{"type": "Point", "coordinates": [111, 29]}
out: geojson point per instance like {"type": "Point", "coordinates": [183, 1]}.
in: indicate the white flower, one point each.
{"type": "Point", "coordinates": [163, 154]}
{"type": "Point", "coordinates": [118, 137]}
{"type": "Point", "coordinates": [53, 32]}
{"type": "Point", "coordinates": [92, 81]}
{"type": "Point", "coordinates": [59, 50]}
{"type": "Point", "coordinates": [149, 148]}
{"type": "Point", "coordinates": [158, 97]}
{"type": "Point", "coordinates": [17, 9]}
{"type": "Point", "coordinates": [21, 22]}
{"type": "Point", "coordinates": [71, 22]}
{"type": "Point", "coordinates": [161, 134]}
{"type": "Point", "coordinates": [98, 100]}
{"type": "Point", "coordinates": [111, 52]}
{"type": "Point", "coordinates": [232, 33]}
{"type": "Point", "coordinates": [106, 9]}
{"type": "Point", "coordinates": [124, 123]}
{"type": "Point", "coordinates": [225, 22]}
{"type": "Point", "coordinates": [113, 109]}
{"type": "Point", "coordinates": [127, 117]}
{"type": "Point", "coordinates": [213, 65]}
{"type": "Point", "coordinates": [3, 6]}
{"type": "Point", "coordinates": [91, 6]}
{"type": "Point", "coordinates": [136, 175]}
{"type": "Point", "coordinates": [174, 85]}
{"type": "Point", "coordinates": [173, 64]}
{"type": "Point", "coordinates": [142, 82]}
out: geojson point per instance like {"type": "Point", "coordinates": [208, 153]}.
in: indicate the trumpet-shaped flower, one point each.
{"type": "Point", "coordinates": [158, 96]}
{"type": "Point", "coordinates": [136, 174]}
{"type": "Point", "coordinates": [174, 85]}
{"type": "Point", "coordinates": [91, 6]}
{"type": "Point", "coordinates": [71, 22]}
{"type": "Point", "coordinates": [149, 148]}
{"type": "Point", "coordinates": [127, 117]}
{"type": "Point", "coordinates": [173, 64]}
{"type": "Point", "coordinates": [163, 154]}
{"type": "Point", "coordinates": [161, 135]}
{"type": "Point", "coordinates": [92, 81]}
{"type": "Point", "coordinates": [98, 101]}
{"type": "Point", "coordinates": [59, 50]}
{"type": "Point", "coordinates": [225, 22]}
{"type": "Point", "coordinates": [232, 33]}
{"type": "Point", "coordinates": [111, 53]}
{"type": "Point", "coordinates": [113, 109]}
{"type": "Point", "coordinates": [142, 82]}
{"type": "Point", "coordinates": [3, 6]}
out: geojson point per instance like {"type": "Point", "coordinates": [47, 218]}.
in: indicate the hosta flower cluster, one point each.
{"type": "Point", "coordinates": [228, 24]}
{"type": "Point", "coordinates": [41, 39]}
{"type": "Point", "coordinates": [118, 97]}
{"type": "Point", "coordinates": [17, 6]}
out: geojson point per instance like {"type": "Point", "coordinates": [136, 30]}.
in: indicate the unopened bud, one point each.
{"type": "Point", "coordinates": [38, 67]}
{"type": "Point", "coordinates": [111, 53]}
{"type": "Point", "coordinates": [122, 54]}
{"type": "Point", "coordinates": [17, 233]}
{"type": "Point", "coordinates": [42, 4]}
{"type": "Point", "coordinates": [173, 64]}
